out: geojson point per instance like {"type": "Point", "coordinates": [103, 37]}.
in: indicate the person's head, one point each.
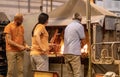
{"type": "Point", "coordinates": [77, 16]}
{"type": "Point", "coordinates": [18, 19]}
{"type": "Point", "coordinates": [43, 18]}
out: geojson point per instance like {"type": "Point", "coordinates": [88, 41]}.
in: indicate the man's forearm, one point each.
{"type": "Point", "coordinates": [8, 38]}
{"type": "Point", "coordinates": [14, 44]}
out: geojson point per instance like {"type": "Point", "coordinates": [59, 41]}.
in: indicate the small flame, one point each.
{"type": "Point", "coordinates": [62, 47]}
{"type": "Point", "coordinates": [84, 49]}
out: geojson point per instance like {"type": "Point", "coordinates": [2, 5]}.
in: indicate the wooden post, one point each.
{"type": "Point", "coordinates": [88, 18]}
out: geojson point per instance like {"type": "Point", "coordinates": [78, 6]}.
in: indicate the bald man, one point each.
{"type": "Point", "coordinates": [15, 45]}
{"type": "Point", "coordinates": [73, 39]}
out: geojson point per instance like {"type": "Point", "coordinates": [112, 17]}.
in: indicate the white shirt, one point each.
{"type": "Point", "coordinates": [73, 33]}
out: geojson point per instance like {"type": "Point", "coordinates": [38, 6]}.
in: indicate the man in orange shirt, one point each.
{"type": "Point", "coordinates": [15, 45]}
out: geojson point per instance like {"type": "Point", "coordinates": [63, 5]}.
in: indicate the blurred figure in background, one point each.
{"type": "Point", "coordinates": [15, 45]}
{"type": "Point", "coordinates": [73, 38]}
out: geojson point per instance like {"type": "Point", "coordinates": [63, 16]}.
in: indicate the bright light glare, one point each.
{"type": "Point", "coordinates": [84, 49]}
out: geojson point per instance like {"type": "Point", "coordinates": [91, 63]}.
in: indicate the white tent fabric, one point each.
{"type": "Point", "coordinates": [64, 22]}
{"type": "Point", "coordinates": [63, 14]}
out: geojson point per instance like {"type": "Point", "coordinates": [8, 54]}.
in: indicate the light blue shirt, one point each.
{"type": "Point", "coordinates": [74, 32]}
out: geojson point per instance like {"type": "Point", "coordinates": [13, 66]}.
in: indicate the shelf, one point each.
{"type": "Point", "coordinates": [3, 73]}
{"type": "Point", "coordinates": [0, 48]}
{"type": "Point", "coordinates": [1, 58]}
{"type": "Point", "coordinates": [2, 51]}
{"type": "Point", "coordinates": [2, 26]}
{"type": "Point", "coordinates": [3, 66]}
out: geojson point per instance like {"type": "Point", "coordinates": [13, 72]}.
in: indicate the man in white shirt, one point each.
{"type": "Point", "coordinates": [73, 38]}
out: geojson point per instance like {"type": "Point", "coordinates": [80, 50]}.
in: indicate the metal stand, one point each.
{"type": "Point", "coordinates": [62, 65]}
{"type": "Point", "coordinates": [107, 54]}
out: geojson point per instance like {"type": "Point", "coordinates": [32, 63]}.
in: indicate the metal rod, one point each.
{"type": "Point", "coordinates": [51, 4]}
{"type": "Point", "coordinates": [46, 6]}
{"type": "Point", "coordinates": [119, 70]}
{"type": "Point", "coordinates": [41, 6]}
{"type": "Point", "coordinates": [41, 2]}
{"type": "Point", "coordinates": [61, 66]}
{"type": "Point", "coordinates": [18, 6]}
{"type": "Point", "coordinates": [115, 42]}
{"type": "Point", "coordinates": [28, 6]}
{"type": "Point", "coordinates": [88, 17]}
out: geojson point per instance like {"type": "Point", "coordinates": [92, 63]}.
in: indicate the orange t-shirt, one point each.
{"type": "Point", "coordinates": [17, 35]}
{"type": "Point", "coordinates": [36, 48]}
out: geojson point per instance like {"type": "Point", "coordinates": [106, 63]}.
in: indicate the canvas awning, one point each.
{"type": "Point", "coordinates": [64, 22]}
{"type": "Point", "coordinates": [63, 14]}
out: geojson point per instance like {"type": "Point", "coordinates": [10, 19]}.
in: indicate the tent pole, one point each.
{"type": "Point", "coordinates": [51, 4]}
{"type": "Point", "coordinates": [46, 6]}
{"type": "Point", "coordinates": [18, 6]}
{"type": "Point", "coordinates": [41, 5]}
{"type": "Point", "coordinates": [29, 6]}
{"type": "Point", "coordinates": [88, 18]}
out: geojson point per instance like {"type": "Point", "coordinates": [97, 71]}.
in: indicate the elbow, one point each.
{"type": "Point", "coordinates": [9, 41]}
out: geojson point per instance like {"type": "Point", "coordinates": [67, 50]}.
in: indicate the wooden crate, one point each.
{"type": "Point", "coordinates": [99, 75]}
{"type": "Point", "coordinates": [2, 76]}
{"type": "Point", "coordinates": [45, 74]}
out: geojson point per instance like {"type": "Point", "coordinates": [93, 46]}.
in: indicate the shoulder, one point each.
{"type": "Point", "coordinates": [9, 25]}
{"type": "Point", "coordinates": [22, 26]}
{"type": "Point", "coordinates": [40, 27]}
{"type": "Point", "coordinates": [80, 27]}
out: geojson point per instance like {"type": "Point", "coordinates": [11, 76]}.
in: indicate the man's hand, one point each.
{"type": "Point", "coordinates": [45, 52]}
{"type": "Point", "coordinates": [52, 45]}
{"type": "Point", "coordinates": [22, 47]}
{"type": "Point", "coordinates": [27, 48]}
{"type": "Point", "coordinates": [83, 42]}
